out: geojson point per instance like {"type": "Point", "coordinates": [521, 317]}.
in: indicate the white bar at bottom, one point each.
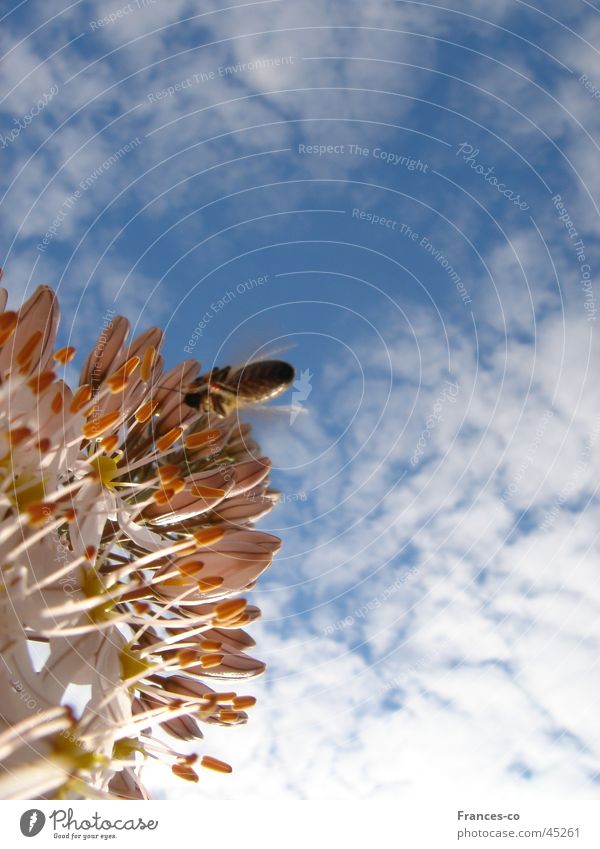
{"type": "Point", "coordinates": [406, 824]}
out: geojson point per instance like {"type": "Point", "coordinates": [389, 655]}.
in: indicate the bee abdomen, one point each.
{"type": "Point", "coordinates": [262, 380]}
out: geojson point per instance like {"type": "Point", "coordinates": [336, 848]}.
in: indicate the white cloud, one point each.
{"type": "Point", "coordinates": [476, 669]}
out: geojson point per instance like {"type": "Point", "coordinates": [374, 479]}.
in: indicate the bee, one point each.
{"type": "Point", "coordinates": [226, 389]}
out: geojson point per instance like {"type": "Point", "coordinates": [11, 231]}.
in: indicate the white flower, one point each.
{"type": "Point", "coordinates": [126, 538]}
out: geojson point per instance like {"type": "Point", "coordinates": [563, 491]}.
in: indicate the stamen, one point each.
{"type": "Point", "coordinates": [191, 568]}
{"type": "Point", "coordinates": [117, 384]}
{"type": "Point", "coordinates": [243, 702]}
{"type": "Point", "coordinates": [125, 371]}
{"type": "Point", "coordinates": [109, 443]}
{"type": "Point", "coordinates": [173, 642]}
{"type": "Point", "coordinates": [176, 485]}
{"type": "Point", "coordinates": [210, 645]}
{"type": "Point", "coordinates": [208, 536]}
{"type": "Point", "coordinates": [165, 442]}
{"type": "Point", "coordinates": [229, 716]}
{"type": "Point", "coordinates": [208, 661]}
{"type": "Point", "coordinates": [168, 473]}
{"type": "Point", "coordinates": [230, 608]}
{"type": "Point", "coordinates": [57, 403]}
{"type": "Point", "coordinates": [64, 355]}
{"type": "Point", "coordinates": [163, 496]}
{"type": "Point", "coordinates": [224, 697]}
{"type": "Point", "coordinates": [18, 435]}
{"type": "Point", "coordinates": [206, 491]}
{"type": "Point", "coordinates": [39, 513]}
{"type": "Point", "coordinates": [147, 363]}
{"type": "Point", "coordinates": [186, 657]}
{"type": "Point", "coordinates": [186, 772]}
{"type": "Point", "coordinates": [134, 595]}
{"type": "Point", "coordinates": [99, 425]}
{"type": "Point", "coordinates": [181, 548]}
{"type": "Point", "coordinates": [41, 381]}
{"type": "Point", "coordinates": [172, 581]}
{"type": "Point", "coordinates": [146, 411]}
{"type": "Point", "coordinates": [207, 584]}
{"type": "Point", "coordinates": [28, 348]}
{"type": "Point", "coordinates": [212, 763]}
{"type": "Point", "coordinates": [196, 440]}
{"type": "Point", "coordinates": [82, 396]}
{"type": "Point", "coordinates": [8, 323]}
{"type": "Point", "coordinates": [241, 621]}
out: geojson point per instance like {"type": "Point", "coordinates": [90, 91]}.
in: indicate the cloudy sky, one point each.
{"type": "Point", "coordinates": [402, 196]}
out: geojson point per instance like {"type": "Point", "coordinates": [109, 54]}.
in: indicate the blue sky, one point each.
{"type": "Point", "coordinates": [403, 196]}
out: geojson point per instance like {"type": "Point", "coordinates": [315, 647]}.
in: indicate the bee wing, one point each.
{"type": "Point", "coordinates": [288, 409]}
{"type": "Point", "coordinates": [271, 353]}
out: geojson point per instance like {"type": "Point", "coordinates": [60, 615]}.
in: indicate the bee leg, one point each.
{"type": "Point", "coordinates": [220, 375]}
{"type": "Point", "coordinates": [223, 388]}
{"type": "Point", "coordinates": [219, 407]}
{"type": "Point", "coordinates": [192, 399]}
